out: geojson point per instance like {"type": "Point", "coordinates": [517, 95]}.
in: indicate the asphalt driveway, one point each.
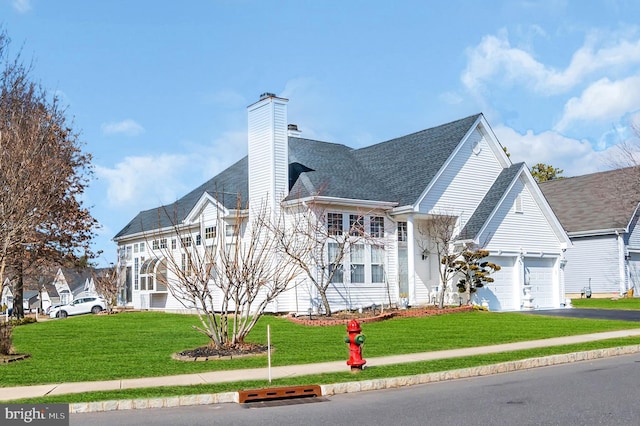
{"type": "Point", "coordinates": [609, 314]}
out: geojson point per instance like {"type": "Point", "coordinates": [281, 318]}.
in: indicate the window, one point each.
{"type": "Point", "coordinates": [376, 226]}
{"type": "Point", "coordinates": [356, 225]}
{"type": "Point", "coordinates": [209, 232]}
{"type": "Point", "coordinates": [163, 243]}
{"type": "Point", "coordinates": [186, 241]}
{"type": "Point", "coordinates": [231, 231]}
{"type": "Point", "coordinates": [334, 223]}
{"type": "Point", "coordinates": [142, 247]}
{"type": "Point", "coordinates": [154, 245]}
{"type": "Point", "coordinates": [357, 263]}
{"type": "Point", "coordinates": [147, 274]}
{"type": "Point", "coordinates": [335, 269]}
{"type": "Point", "coordinates": [135, 248]}
{"type": "Point", "coordinates": [198, 239]}
{"type": "Point", "coordinates": [402, 231]}
{"type": "Point", "coordinates": [377, 264]}
{"type": "Point", "coordinates": [174, 243]}
{"type": "Point", "coordinates": [136, 269]}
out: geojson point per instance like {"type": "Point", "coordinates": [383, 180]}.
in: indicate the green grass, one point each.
{"type": "Point", "coordinates": [130, 345]}
{"type": "Point", "coordinates": [368, 373]}
{"type": "Point", "coordinates": [626, 303]}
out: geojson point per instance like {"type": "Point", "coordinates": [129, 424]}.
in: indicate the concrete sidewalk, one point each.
{"type": "Point", "coordinates": [13, 393]}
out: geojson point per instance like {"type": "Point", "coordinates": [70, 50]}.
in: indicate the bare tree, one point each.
{"type": "Point", "coordinates": [318, 243]}
{"type": "Point", "coordinates": [108, 282]}
{"type": "Point", "coordinates": [231, 283]}
{"type": "Point", "coordinates": [43, 173]}
{"type": "Point", "coordinates": [437, 235]}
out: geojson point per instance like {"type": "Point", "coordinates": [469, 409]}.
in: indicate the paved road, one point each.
{"type": "Point", "coordinates": [609, 314]}
{"type": "Point", "coordinates": [602, 392]}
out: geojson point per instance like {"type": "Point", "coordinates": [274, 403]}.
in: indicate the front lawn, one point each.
{"type": "Point", "coordinates": [128, 345]}
{"type": "Point", "coordinates": [626, 303]}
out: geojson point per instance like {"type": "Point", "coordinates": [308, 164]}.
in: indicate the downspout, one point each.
{"type": "Point", "coordinates": [411, 267]}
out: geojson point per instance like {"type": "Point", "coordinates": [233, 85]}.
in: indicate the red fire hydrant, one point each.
{"type": "Point", "coordinates": [355, 341]}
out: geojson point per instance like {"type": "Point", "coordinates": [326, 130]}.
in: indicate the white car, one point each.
{"type": "Point", "coordinates": [83, 305]}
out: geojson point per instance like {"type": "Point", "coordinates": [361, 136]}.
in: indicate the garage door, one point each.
{"type": "Point", "coordinates": [501, 293]}
{"type": "Point", "coordinates": [539, 274]}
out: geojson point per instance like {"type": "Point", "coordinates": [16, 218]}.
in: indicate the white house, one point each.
{"type": "Point", "coordinates": [457, 168]}
{"type": "Point", "coordinates": [599, 211]}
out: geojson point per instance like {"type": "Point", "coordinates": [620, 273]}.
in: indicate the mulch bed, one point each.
{"type": "Point", "coordinates": [342, 318]}
{"type": "Point", "coordinates": [5, 359]}
{"type": "Point", "coordinates": [206, 353]}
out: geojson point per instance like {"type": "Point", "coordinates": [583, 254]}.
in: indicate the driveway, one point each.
{"type": "Point", "coordinates": [609, 314]}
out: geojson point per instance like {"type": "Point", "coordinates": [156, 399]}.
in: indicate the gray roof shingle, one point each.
{"type": "Point", "coordinates": [397, 171]}
{"type": "Point", "coordinates": [597, 201]}
{"type": "Point", "coordinates": [490, 201]}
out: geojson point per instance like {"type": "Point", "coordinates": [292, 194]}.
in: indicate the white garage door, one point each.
{"type": "Point", "coordinates": [501, 294]}
{"type": "Point", "coordinates": [539, 274]}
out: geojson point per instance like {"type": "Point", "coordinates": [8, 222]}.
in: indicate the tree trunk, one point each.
{"type": "Point", "coordinates": [18, 297]}
{"type": "Point", "coordinates": [325, 303]}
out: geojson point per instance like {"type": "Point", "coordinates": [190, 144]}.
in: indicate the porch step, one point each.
{"type": "Point", "coordinates": [276, 394]}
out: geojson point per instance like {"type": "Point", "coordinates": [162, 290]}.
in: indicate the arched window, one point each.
{"type": "Point", "coordinates": [153, 275]}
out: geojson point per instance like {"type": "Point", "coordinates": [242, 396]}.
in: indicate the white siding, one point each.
{"type": "Point", "coordinates": [528, 231]}
{"type": "Point", "coordinates": [465, 181]}
{"type": "Point", "coordinates": [593, 260]}
{"type": "Point", "coordinates": [267, 152]}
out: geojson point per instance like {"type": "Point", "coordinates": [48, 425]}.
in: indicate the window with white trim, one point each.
{"type": "Point", "coordinates": [136, 270]}
{"type": "Point", "coordinates": [334, 223]}
{"type": "Point", "coordinates": [356, 225]}
{"type": "Point", "coordinates": [402, 231]}
{"type": "Point", "coordinates": [209, 232]}
{"type": "Point", "coordinates": [356, 257]}
{"type": "Point", "coordinates": [334, 266]}
{"type": "Point", "coordinates": [376, 226]}
{"type": "Point", "coordinates": [377, 264]}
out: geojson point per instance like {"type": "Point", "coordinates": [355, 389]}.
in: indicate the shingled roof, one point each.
{"type": "Point", "coordinates": [595, 202]}
{"type": "Point", "coordinates": [395, 171]}
{"type": "Point", "coordinates": [490, 201]}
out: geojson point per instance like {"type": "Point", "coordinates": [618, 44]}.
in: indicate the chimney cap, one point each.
{"type": "Point", "coordinates": [267, 95]}
{"type": "Point", "coordinates": [292, 127]}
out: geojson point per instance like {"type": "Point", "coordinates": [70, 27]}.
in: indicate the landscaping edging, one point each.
{"type": "Point", "coordinates": [415, 312]}
{"type": "Point", "coordinates": [365, 385]}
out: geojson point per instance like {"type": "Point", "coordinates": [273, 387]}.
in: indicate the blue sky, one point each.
{"type": "Point", "coordinates": [159, 89]}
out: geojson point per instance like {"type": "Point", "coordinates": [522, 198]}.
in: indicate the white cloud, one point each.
{"type": "Point", "coordinates": [127, 127]}
{"type": "Point", "coordinates": [144, 181]}
{"type": "Point", "coordinates": [22, 6]}
{"type": "Point", "coordinates": [575, 157]}
{"type": "Point", "coordinates": [603, 101]}
{"type": "Point", "coordinates": [496, 60]}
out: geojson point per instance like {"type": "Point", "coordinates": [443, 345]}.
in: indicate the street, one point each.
{"type": "Point", "coordinates": [585, 393]}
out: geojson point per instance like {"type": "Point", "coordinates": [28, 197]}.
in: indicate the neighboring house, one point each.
{"type": "Point", "coordinates": [458, 169]}
{"type": "Point", "coordinates": [58, 288]}
{"type": "Point", "coordinates": [599, 211]}
{"type": "Point", "coordinates": [6, 298]}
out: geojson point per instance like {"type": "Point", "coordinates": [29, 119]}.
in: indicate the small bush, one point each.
{"type": "Point", "coordinates": [22, 321]}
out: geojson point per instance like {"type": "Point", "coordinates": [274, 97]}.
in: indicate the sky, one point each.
{"type": "Point", "coordinates": [159, 89]}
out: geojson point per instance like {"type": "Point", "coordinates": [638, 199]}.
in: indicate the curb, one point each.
{"type": "Point", "coordinates": [361, 386]}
